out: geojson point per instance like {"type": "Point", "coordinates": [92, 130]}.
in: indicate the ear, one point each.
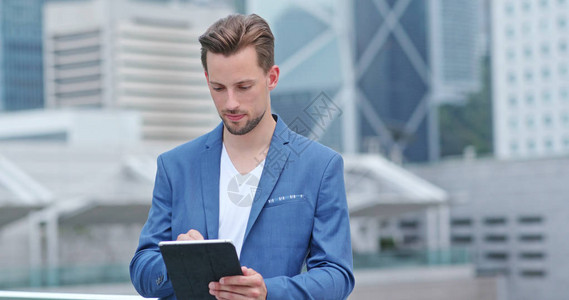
{"type": "Point", "coordinates": [273, 77]}
{"type": "Point", "coordinates": [206, 77]}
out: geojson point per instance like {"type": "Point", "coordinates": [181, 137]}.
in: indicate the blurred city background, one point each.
{"type": "Point", "coordinates": [452, 117]}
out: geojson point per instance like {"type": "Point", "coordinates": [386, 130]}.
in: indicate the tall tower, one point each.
{"type": "Point", "coordinates": [142, 56]}
{"type": "Point", "coordinates": [530, 73]}
{"type": "Point", "coordinates": [384, 65]}
{"type": "Point", "coordinates": [21, 82]}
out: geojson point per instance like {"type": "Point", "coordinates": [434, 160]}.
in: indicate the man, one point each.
{"type": "Point", "coordinates": [293, 211]}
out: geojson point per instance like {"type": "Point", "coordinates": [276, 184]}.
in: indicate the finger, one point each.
{"type": "Point", "coordinates": [248, 271]}
{"type": "Point", "coordinates": [225, 291]}
{"type": "Point", "coordinates": [228, 296]}
{"type": "Point", "coordinates": [195, 235]}
{"type": "Point", "coordinates": [183, 237]}
{"type": "Point", "coordinates": [255, 280]}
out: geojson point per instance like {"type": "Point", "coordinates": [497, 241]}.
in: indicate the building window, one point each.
{"type": "Point", "coordinates": [562, 22]}
{"type": "Point", "coordinates": [530, 100]}
{"type": "Point", "coordinates": [512, 101]}
{"type": "Point", "coordinates": [498, 256]}
{"type": "Point", "coordinates": [543, 25]}
{"type": "Point", "coordinates": [408, 224]}
{"type": "Point", "coordinates": [564, 95]}
{"type": "Point", "coordinates": [562, 71]}
{"type": "Point", "coordinates": [496, 238]}
{"type": "Point", "coordinates": [528, 75]}
{"type": "Point", "coordinates": [548, 143]}
{"type": "Point", "coordinates": [532, 273]}
{"type": "Point", "coordinates": [530, 220]}
{"type": "Point", "coordinates": [493, 272]}
{"type": "Point", "coordinates": [512, 77]}
{"type": "Point", "coordinates": [514, 147]}
{"type": "Point", "coordinates": [531, 145]}
{"type": "Point", "coordinates": [513, 122]}
{"type": "Point", "coordinates": [527, 51]}
{"type": "Point", "coordinates": [526, 6]}
{"type": "Point", "coordinates": [461, 239]}
{"type": "Point", "coordinates": [562, 46]}
{"type": "Point", "coordinates": [509, 8]}
{"type": "Point", "coordinates": [547, 121]}
{"type": "Point", "coordinates": [546, 96]}
{"type": "Point", "coordinates": [545, 73]}
{"type": "Point", "coordinates": [410, 239]}
{"type": "Point", "coordinates": [530, 123]}
{"type": "Point", "coordinates": [531, 237]}
{"type": "Point", "coordinates": [545, 50]}
{"type": "Point", "coordinates": [530, 255]}
{"type": "Point", "coordinates": [526, 28]}
{"type": "Point", "coordinates": [510, 54]}
{"type": "Point", "coordinates": [461, 222]}
{"type": "Point", "coordinates": [510, 32]}
{"type": "Point", "coordinates": [493, 221]}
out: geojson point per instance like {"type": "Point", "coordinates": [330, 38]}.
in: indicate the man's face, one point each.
{"type": "Point", "coordinates": [240, 89]}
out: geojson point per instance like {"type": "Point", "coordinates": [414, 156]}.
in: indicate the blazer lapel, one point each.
{"type": "Point", "coordinates": [210, 181]}
{"type": "Point", "coordinates": [275, 162]}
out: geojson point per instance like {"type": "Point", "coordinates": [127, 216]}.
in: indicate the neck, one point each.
{"type": "Point", "coordinates": [256, 141]}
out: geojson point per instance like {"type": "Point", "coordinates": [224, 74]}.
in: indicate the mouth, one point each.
{"type": "Point", "coordinates": [234, 118]}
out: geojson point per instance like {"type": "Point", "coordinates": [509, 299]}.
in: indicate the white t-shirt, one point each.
{"type": "Point", "coordinates": [236, 194]}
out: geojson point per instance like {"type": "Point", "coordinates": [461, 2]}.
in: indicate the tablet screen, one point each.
{"type": "Point", "coordinates": [192, 265]}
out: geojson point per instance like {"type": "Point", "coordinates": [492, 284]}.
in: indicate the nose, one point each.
{"type": "Point", "coordinates": [232, 103]}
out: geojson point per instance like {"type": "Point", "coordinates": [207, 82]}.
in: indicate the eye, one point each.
{"type": "Point", "coordinates": [244, 88]}
{"type": "Point", "coordinates": [217, 89]}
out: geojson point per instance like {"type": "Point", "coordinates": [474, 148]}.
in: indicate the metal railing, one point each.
{"type": "Point", "coordinates": [64, 276]}
{"type": "Point", "coordinates": [62, 296]}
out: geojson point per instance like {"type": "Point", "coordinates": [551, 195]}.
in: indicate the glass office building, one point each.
{"type": "Point", "coordinates": [375, 69]}
{"type": "Point", "coordinates": [392, 73]}
{"type": "Point", "coordinates": [21, 74]}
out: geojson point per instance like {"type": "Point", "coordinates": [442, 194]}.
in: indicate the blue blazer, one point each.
{"type": "Point", "coordinates": [299, 216]}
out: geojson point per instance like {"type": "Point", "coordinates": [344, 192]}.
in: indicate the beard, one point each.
{"type": "Point", "coordinates": [250, 125]}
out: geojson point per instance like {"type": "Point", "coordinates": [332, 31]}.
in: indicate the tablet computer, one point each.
{"type": "Point", "coordinates": [192, 265]}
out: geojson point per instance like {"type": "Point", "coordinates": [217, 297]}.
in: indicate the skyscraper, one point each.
{"type": "Point", "coordinates": [530, 72]}
{"type": "Point", "coordinates": [384, 65]}
{"type": "Point", "coordinates": [21, 81]}
{"type": "Point", "coordinates": [136, 55]}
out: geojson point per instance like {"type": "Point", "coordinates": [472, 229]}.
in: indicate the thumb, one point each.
{"type": "Point", "coordinates": [248, 271]}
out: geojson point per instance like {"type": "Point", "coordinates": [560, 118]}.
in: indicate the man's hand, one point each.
{"type": "Point", "coordinates": [249, 286]}
{"type": "Point", "coordinates": [191, 235]}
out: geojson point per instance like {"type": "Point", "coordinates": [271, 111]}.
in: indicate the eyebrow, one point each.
{"type": "Point", "coordinates": [237, 83]}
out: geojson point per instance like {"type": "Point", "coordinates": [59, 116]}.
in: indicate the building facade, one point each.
{"type": "Point", "coordinates": [511, 215]}
{"type": "Point", "coordinates": [384, 65]}
{"type": "Point", "coordinates": [21, 82]}
{"type": "Point", "coordinates": [530, 52]}
{"type": "Point", "coordinates": [141, 56]}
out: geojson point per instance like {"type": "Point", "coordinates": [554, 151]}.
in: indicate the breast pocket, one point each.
{"type": "Point", "coordinates": [288, 221]}
{"type": "Point", "coordinates": [286, 199]}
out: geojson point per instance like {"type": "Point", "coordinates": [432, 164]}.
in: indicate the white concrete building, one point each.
{"type": "Point", "coordinates": [140, 56]}
{"type": "Point", "coordinates": [514, 220]}
{"type": "Point", "coordinates": [530, 73]}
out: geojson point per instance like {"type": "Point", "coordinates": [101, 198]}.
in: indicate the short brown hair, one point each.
{"type": "Point", "coordinates": [229, 35]}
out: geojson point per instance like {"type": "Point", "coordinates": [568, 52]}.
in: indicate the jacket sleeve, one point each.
{"type": "Point", "coordinates": [329, 261]}
{"type": "Point", "coordinates": [147, 268]}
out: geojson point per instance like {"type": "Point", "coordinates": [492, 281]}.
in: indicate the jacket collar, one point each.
{"type": "Point", "coordinates": [275, 162]}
